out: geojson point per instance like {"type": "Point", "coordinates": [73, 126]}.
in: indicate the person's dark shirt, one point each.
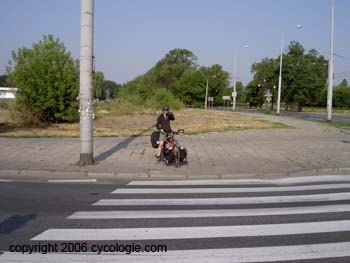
{"type": "Point", "coordinates": [164, 122]}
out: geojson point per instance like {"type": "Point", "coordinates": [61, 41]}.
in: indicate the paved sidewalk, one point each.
{"type": "Point", "coordinates": [307, 146]}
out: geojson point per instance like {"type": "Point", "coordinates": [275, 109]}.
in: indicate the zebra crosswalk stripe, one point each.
{"type": "Point", "coordinates": [229, 190]}
{"type": "Point", "coordinates": [71, 180]}
{"type": "Point", "coordinates": [126, 214]}
{"type": "Point", "coordinates": [5, 180]}
{"type": "Point", "coordinates": [280, 181]}
{"type": "Point", "coordinates": [194, 232]}
{"type": "Point", "coordinates": [227, 200]}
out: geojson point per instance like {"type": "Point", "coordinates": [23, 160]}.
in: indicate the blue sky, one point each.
{"type": "Point", "coordinates": [131, 35]}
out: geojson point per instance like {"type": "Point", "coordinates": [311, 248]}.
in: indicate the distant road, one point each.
{"type": "Point", "coordinates": [302, 115]}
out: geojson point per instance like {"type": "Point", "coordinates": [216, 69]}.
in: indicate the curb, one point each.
{"type": "Point", "coordinates": [157, 175]}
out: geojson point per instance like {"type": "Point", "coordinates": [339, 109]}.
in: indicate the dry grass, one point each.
{"type": "Point", "coordinates": [201, 121]}
{"type": "Point", "coordinates": [105, 124]}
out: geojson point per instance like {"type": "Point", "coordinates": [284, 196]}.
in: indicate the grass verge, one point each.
{"type": "Point", "coordinates": [107, 124]}
{"type": "Point", "coordinates": [324, 110]}
{"type": "Point", "coordinates": [338, 124]}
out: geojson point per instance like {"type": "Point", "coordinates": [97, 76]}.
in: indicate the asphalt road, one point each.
{"type": "Point", "coordinates": [295, 220]}
{"type": "Point", "coordinates": [304, 115]}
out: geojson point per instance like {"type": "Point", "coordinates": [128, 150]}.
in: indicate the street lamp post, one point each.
{"type": "Point", "coordinates": [206, 93]}
{"type": "Point", "coordinates": [273, 96]}
{"type": "Point", "coordinates": [330, 68]}
{"type": "Point", "coordinates": [234, 93]}
{"type": "Point", "coordinates": [280, 75]}
{"type": "Point", "coordinates": [85, 92]}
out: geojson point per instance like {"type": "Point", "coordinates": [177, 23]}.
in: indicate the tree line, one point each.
{"type": "Point", "coordinates": [47, 78]}
{"type": "Point", "coordinates": [304, 80]}
{"type": "Point", "coordinates": [177, 79]}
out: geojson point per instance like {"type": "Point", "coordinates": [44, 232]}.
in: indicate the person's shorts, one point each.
{"type": "Point", "coordinates": [162, 137]}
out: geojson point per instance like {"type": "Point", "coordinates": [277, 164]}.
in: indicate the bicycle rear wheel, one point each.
{"type": "Point", "coordinates": [177, 157]}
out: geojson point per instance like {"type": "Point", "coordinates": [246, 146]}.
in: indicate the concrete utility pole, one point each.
{"type": "Point", "coordinates": [234, 93]}
{"type": "Point", "coordinates": [85, 94]}
{"type": "Point", "coordinates": [206, 94]}
{"type": "Point", "coordinates": [330, 68]}
{"type": "Point", "coordinates": [280, 78]}
{"type": "Point", "coordinates": [280, 75]}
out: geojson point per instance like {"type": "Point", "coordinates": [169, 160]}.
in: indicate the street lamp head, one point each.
{"type": "Point", "coordinates": [299, 26]}
{"type": "Point", "coordinates": [246, 46]}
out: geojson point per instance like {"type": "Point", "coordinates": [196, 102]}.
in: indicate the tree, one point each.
{"type": "Point", "coordinates": [218, 82]}
{"type": "Point", "coordinates": [98, 78]}
{"type": "Point", "coordinates": [266, 75]}
{"type": "Point", "coordinates": [191, 88]}
{"type": "Point", "coordinates": [169, 69]}
{"type": "Point", "coordinates": [344, 83]}
{"type": "Point", "coordinates": [140, 86]}
{"type": "Point", "coordinates": [255, 94]}
{"type": "Point", "coordinates": [304, 76]}
{"type": "Point", "coordinates": [266, 72]}
{"type": "Point", "coordinates": [48, 79]}
{"type": "Point", "coordinates": [241, 92]}
{"type": "Point", "coordinates": [178, 74]}
{"type": "Point", "coordinates": [109, 89]}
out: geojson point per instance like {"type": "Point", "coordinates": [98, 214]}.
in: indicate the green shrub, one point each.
{"type": "Point", "coordinates": [138, 95]}
{"type": "Point", "coordinates": [121, 107]}
{"type": "Point", "coordinates": [158, 97]}
{"type": "Point", "coordinates": [341, 97]}
{"type": "Point", "coordinates": [47, 79]}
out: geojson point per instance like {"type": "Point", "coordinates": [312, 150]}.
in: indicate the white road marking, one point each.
{"type": "Point", "coordinates": [281, 181]}
{"type": "Point", "coordinates": [72, 180]}
{"type": "Point", "coordinates": [227, 255]}
{"type": "Point", "coordinates": [228, 200]}
{"type": "Point", "coordinates": [193, 232]}
{"type": "Point", "coordinates": [209, 213]}
{"type": "Point", "coordinates": [5, 180]}
{"type": "Point", "coordinates": [229, 190]}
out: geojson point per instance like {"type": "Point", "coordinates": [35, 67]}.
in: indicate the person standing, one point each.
{"type": "Point", "coordinates": [163, 125]}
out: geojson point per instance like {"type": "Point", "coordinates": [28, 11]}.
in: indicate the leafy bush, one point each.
{"type": "Point", "coordinates": [135, 104]}
{"type": "Point", "coordinates": [47, 79]}
{"type": "Point", "coordinates": [153, 100]}
{"type": "Point", "coordinates": [341, 97]}
{"type": "Point", "coordinates": [142, 93]}
{"type": "Point", "coordinates": [158, 97]}
{"type": "Point", "coordinates": [120, 107]}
